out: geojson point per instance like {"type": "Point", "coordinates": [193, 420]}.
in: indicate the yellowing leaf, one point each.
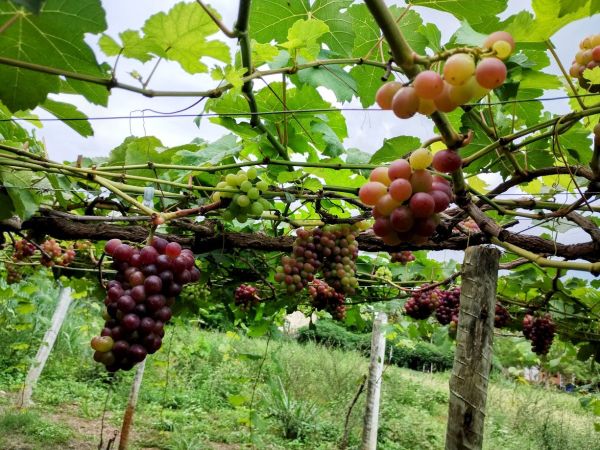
{"type": "Point", "coordinates": [478, 184]}
{"type": "Point", "coordinates": [304, 36]}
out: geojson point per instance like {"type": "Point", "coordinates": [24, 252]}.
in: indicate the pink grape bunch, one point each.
{"type": "Point", "coordinates": [247, 202]}
{"type": "Point", "coordinates": [23, 249]}
{"type": "Point", "coordinates": [501, 316]}
{"type": "Point", "coordinates": [588, 57]}
{"type": "Point", "coordinates": [406, 198]}
{"type": "Point", "coordinates": [330, 250]}
{"type": "Point", "coordinates": [422, 303]}
{"type": "Point", "coordinates": [138, 301]}
{"type": "Point", "coordinates": [466, 76]}
{"type": "Point", "coordinates": [246, 297]}
{"type": "Point", "coordinates": [325, 298]}
{"type": "Point", "coordinates": [540, 331]}
{"type": "Point", "coordinates": [403, 257]}
{"type": "Point", "coordinates": [448, 306]}
{"type": "Point", "coordinates": [57, 256]}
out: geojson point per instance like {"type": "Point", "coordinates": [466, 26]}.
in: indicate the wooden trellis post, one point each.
{"type": "Point", "coordinates": [37, 366]}
{"type": "Point", "coordinates": [131, 404]}
{"type": "Point", "coordinates": [473, 357]}
{"type": "Point", "coordinates": [371, 419]}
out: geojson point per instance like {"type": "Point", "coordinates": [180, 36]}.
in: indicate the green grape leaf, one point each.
{"type": "Point", "coordinates": [568, 7]}
{"type": "Point", "coordinates": [211, 154]}
{"type": "Point", "coordinates": [263, 53]}
{"type": "Point", "coordinates": [357, 156]}
{"type": "Point", "coordinates": [181, 35]}
{"type": "Point", "coordinates": [593, 75]}
{"type": "Point", "coordinates": [133, 46]}
{"type": "Point", "coordinates": [66, 111]}
{"type": "Point", "coordinates": [230, 74]}
{"type": "Point", "coordinates": [466, 35]}
{"type": "Point", "coordinates": [533, 79]}
{"type": "Point", "coordinates": [340, 37]}
{"type": "Point", "coordinates": [271, 20]}
{"type": "Point", "coordinates": [546, 20]}
{"type": "Point", "coordinates": [480, 14]}
{"type": "Point", "coordinates": [108, 45]}
{"type": "Point", "coordinates": [304, 36]}
{"type": "Point", "coordinates": [395, 148]}
{"type": "Point", "coordinates": [32, 5]}
{"type": "Point", "coordinates": [344, 177]}
{"type": "Point", "coordinates": [333, 146]}
{"type": "Point", "coordinates": [333, 77]}
{"type": "Point", "coordinates": [368, 81]}
{"type": "Point", "coordinates": [433, 35]}
{"type": "Point", "coordinates": [19, 198]}
{"type": "Point", "coordinates": [56, 40]}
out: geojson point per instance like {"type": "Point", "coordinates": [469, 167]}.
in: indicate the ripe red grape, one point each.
{"type": "Point", "coordinates": [428, 84]}
{"type": "Point", "coordinates": [490, 73]}
{"type": "Point", "coordinates": [422, 205]}
{"type": "Point", "coordinates": [405, 103]}
{"type": "Point", "coordinates": [447, 161]}
{"type": "Point", "coordinates": [386, 93]}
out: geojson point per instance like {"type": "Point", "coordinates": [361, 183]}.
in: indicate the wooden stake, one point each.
{"type": "Point", "coordinates": [473, 357]}
{"type": "Point", "coordinates": [131, 404]}
{"type": "Point", "coordinates": [371, 419]}
{"type": "Point", "coordinates": [37, 366]}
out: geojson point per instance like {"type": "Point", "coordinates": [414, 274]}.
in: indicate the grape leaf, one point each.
{"type": "Point", "coordinates": [568, 7]}
{"type": "Point", "coordinates": [67, 111]}
{"type": "Point", "coordinates": [481, 14]}
{"type": "Point", "coordinates": [333, 77]}
{"type": "Point", "coordinates": [181, 35]}
{"type": "Point", "coordinates": [32, 5]}
{"type": "Point", "coordinates": [546, 20]}
{"type": "Point", "coordinates": [304, 36]}
{"type": "Point", "coordinates": [19, 199]}
{"type": "Point", "coordinates": [395, 148]}
{"type": "Point", "coordinates": [271, 20]}
{"type": "Point", "coordinates": [211, 154]}
{"type": "Point", "coordinates": [133, 46]}
{"type": "Point", "coordinates": [56, 40]}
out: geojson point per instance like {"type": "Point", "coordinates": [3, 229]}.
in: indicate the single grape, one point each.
{"type": "Point", "coordinates": [382, 227]}
{"type": "Point", "coordinates": [459, 68]}
{"type": "Point", "coordinates": [490, 73]}
{"type": "Point", "coordinates": [123, 252]}
{"type": "Point", "coordinates": [447, 161]}
{"type": "Point", "coordinates": [102, 343]}
{"type": "Point", "coordinates": [385, 93]}
{"type": "Point", "coordinates": [440, 199]}
{"type": "Point", "coordinates": [428, 84]}
{"type": "Point", "coordinates": [371, 192]}
{"type": "Point", "coordinates": [172, 250]}
{"type": "Point", "coordinates": [400, 189]}
{"type": "Point", "coordinates": [426, 107]}
{"type": "Point", "coordinates": [425, 227]}
{"type": "Point", "coordinates": [262, 186]}
{"type": "Point", "coordinates": [443, 103]}
{"type": "Point", "coordinates": [421, 181]}
{"type": "Point", "coordinates": [499, 36]}
{"type": "Point", "coordinates": [111, 246]}
{"type": "Point", "coordinates": [381, 175]}
{"type": "Point", "coordinates": [243, 201]}
{"type": "Point", "coordinates": [148, 255]}
{"type": "Point", "coordinates": [402, 219]}
{"type": "Point", "coordinates": [405, 103]}
{"type": "Point", "coordinates": [246, 186]}
{"type": "Point", "coordinates": [400, 168]}
{"type": "Point", "coordinates": [420, 159]}
{"type": "Point", "coordinates": [130, 322]}
{"type": "Point", "coordinates": [502, 48]}
{"type": "Point", "coordinates": [422, 205]}
{"type": "Point", "coordinates": [252, 173]}
{"type": "Point", "coordinates": [253, 193]}
{"type": "Point", "coordinates": [386, 204]}
{"type": "Point", "coordinates": [231, 180]}
{"type": "Point", "coordinates": [464, 93]}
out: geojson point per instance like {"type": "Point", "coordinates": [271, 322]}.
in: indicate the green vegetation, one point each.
{"type": "Point", "coordinates": [201, 393]}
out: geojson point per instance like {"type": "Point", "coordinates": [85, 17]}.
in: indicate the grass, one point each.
{"type": "Point", "coordinates": [213, 397]}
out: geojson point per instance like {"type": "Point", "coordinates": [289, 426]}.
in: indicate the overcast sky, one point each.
{"type": "Point", "coordinates": [367, 130]}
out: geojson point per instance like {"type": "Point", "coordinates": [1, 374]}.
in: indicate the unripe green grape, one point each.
{"type": "Point", "coordinates": [253, 193]}
{"type": "Point", "coordinates": [256, 208]}
{"type": "Point", "coordinates": [262, 186]}
{"type": "Point", "coordinates": [246, 186]}
{"type": "Point", "coordinates": [231, 180]}
{"type": "Point", "coordinates": [242, 218]}
{"type": "Point", "coordinates": [252, 173]}
{"type": "Point", "coordinates": [266, 203]}
{"type": "Point", "coordinates": [243, 201]}
{"type": "Point", "coordinates": [241, 177]}
{"type": "Point", "coordinates": [216, 196]}
{"type": "Point", "coordinates": [227, 215]}
{"type": "Point", "coordinates": [420, 159]}
{"type": "Point", "coordinates": [502, 48]}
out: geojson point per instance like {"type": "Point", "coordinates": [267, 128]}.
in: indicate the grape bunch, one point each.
{"type": "Point", "coordinates": [406, 197]}
{"type": "Point", "coordinates": [56, 255]}
{"type": "Point", "coordinates": [588, 57]}
{"type": "Point", "coordinates": [246, 297]}
{"type": "Point", "coordinates": [138, 301]}
{"type": "Point", "coordinates": [540, 331]}
{"type": "Point", "coordinates": [403, 257]}
{"type": "Point", "coordinates": [23, 249]}
{"type": "Point", "coordinates": [448, 306]}
{"type": "Point", "coordinates": [13, 275]}
{"type": "Point", "coordinates": [422, 303]}
{"type": "Point", "coordinates": [466, 77]}
{"type": "Point", "coordinates": [331, 249]}
{"type": "Point", "coordinates": [501, 317]}
{"type": "Point", "coordinates": [248, 201]}
{"type": "Point", "coordinates": [325, 298]}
